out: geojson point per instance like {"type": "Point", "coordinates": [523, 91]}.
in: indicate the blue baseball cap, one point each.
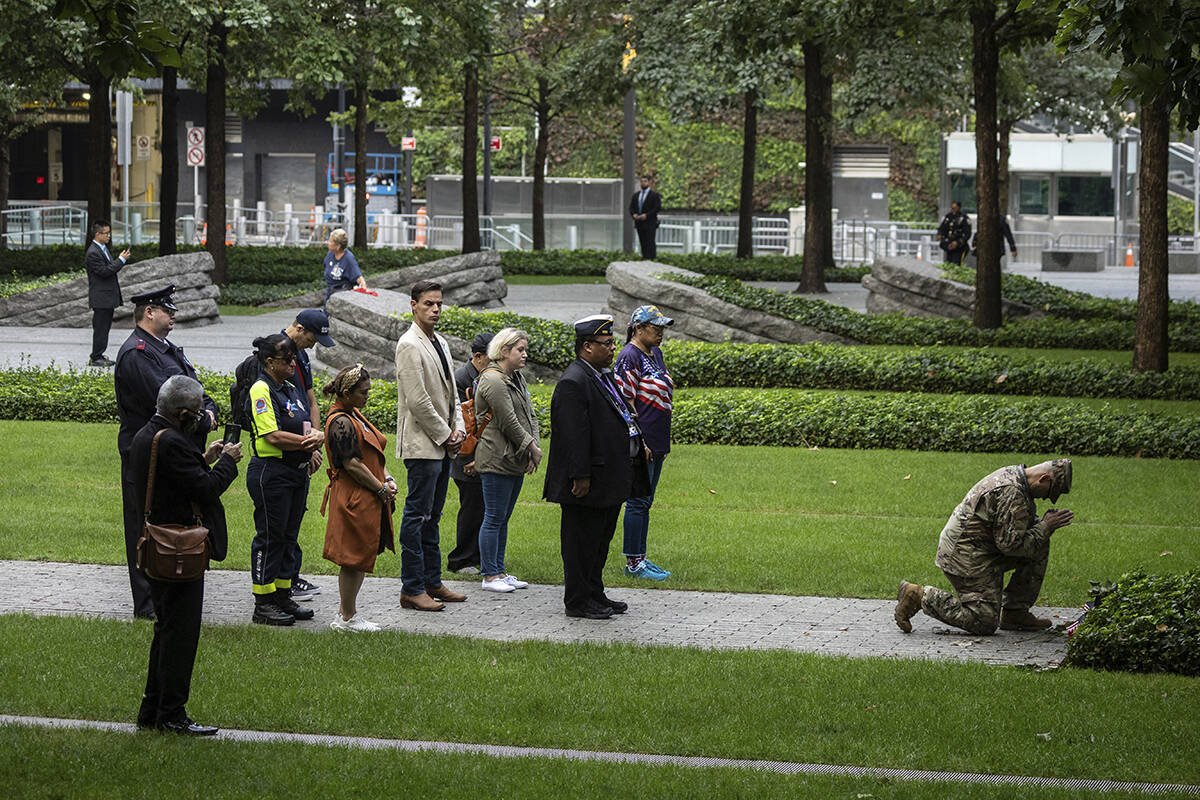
{"type": "Point", "coordinates": [316, 322]}
{"type": "Point", "coordinates": [650, 314]}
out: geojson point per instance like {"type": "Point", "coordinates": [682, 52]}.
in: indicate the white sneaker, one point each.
{"type": "Point", "coordinates": [516, 584]}
{"type": "Point", "coordinates": [497, 585]}
{"type": "Point", "coordinates": [356, 624]}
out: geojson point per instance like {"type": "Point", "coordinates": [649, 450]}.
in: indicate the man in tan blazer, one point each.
{"type": "Point", "coordinates": [429, 432]}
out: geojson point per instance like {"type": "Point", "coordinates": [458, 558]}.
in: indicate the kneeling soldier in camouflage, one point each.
{"type": "Point", "coordinates": [994, 529]}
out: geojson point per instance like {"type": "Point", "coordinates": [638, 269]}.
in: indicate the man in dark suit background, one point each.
{"type": "Point", "coordinates": [644, 207]}
{"type": "Point", "coordinates": [104, 291]}
{"type": "Point", "coordinates": [597, 460]}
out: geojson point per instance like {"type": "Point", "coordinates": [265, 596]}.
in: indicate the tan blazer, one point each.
{"type": "Point", "coordinates": [427, 409]}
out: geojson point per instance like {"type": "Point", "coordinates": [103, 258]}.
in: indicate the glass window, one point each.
{"type": "Point", "coordinates": [1085, 196]}
{"type": "Point", "coordinates": [1035, 195]}
{"type": "Point", "coordinates": [962, 189]}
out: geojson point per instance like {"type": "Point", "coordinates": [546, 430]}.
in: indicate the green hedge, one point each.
{"type": "Point", "coordinates": [16, 283]}
{"type": "Point", "coordinates": [1066, 303]}
{"type": "Point", "coordinates": [747, 417]}
{"type": "Point", "coordinates": [977, 371]}
{"type": "Point", "coordinates": [1097, 334]}
{"type": "Point", "coordinates": [1142, 623]}
{"type": "Point", "coordinates": [551, 342]}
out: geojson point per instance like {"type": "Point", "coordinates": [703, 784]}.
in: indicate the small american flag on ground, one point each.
{"type": "Point", "coordinates": [1088, 606]}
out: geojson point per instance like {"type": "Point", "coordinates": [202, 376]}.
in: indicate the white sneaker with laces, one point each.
{"type": "Point", "coordinates": [516, 584]}
{"type": "Point", "coordinates": [497, 585]}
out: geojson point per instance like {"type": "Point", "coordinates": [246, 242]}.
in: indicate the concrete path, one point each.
{"type": "Point", "coordinates": [716, 620]}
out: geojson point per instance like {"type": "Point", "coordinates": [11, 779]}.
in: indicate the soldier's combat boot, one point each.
{"type": "Point", "coordinates": [1022, 621]}
{"type": "Point", "coordinates": [908, 603]}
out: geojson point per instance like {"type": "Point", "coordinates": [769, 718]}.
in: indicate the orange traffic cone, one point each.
{"type": "Point", "coordinates": [228, 235]}
{"type": "Point", "coordinates": [1129, 256]}
{"type": "Point", "coordinates": [204, 235]}
{"type": "Point", "coordinates": [422, 229]}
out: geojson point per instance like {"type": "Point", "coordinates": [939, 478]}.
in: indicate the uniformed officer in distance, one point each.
{"type": "Point", "coordinates": [994, 529]}
{"type": "Point", "coordinates": [144, 362]}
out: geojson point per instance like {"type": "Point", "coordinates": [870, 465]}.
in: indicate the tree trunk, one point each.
{"type": "Point", "coordinates": [470, 191]}
{"type": "Point", "coordinates": [169, 149]}
{"type": "Point", "coordinates": [360, 165]}
{"type": "Point", "coordinates": [99, 151]}
{"type": "Point", "coordinates": [1150, 345]}
{"type": "Point", "coordinates": [986, 64]}
{"type": "Point", "coordinates": [818, 174]}
{"type": "Point", "coordinates": [214, 110]}
{"type": "Point", "coordinates": [5, 172]}
{"type": "Point", "coordinates": [745, 237]}
{"type": "Point", "coordinates": [540, 151]}
{"type": "Point", "coordinates": [1003, 179]}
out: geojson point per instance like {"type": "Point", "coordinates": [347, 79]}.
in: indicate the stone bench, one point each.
{"type": "Point", "coordinates": [1081, 260]}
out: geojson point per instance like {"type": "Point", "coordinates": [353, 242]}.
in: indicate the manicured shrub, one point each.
{"type": "Point", "coordinates": [1142, 623]}
{"type": "Point", "coordinates": [551, 342]}
{"type": "Point", "coordinates": [782, 418]}
{"type": "Point", "coordinates": [929, 369]}
{"type": "Point", "coordinates": [1085, 334]}
{"type": "Point", "coordinates": [1066, 303]}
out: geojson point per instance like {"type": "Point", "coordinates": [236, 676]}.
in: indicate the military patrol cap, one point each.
{"type": "Point", "coordinates": [481, 341]}
{"type": "Point", "coordinates": [1060, 474]}
{"type": "Point", "coordinates": [316, 322]}
{"type": "Point", "coordinates": [650, 314]}
{"type": "Point", "coordinates": [157, 297]}
{"type": "Point", "coordinates": [595, 325]}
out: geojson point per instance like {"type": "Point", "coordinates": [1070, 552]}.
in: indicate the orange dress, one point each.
{"type": "Point", "coordinates": [359, 525]}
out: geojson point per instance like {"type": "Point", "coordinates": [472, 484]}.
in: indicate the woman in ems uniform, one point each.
{"type": "Point", "coordinates": [277, 478]}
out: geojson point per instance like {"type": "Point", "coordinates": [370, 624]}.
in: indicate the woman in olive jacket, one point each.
{"type": "Point", "coordinates": [507, 451]}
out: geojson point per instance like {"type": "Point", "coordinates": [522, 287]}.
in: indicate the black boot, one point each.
{"type": "Point", "coordinates": [283, 599]}
{"type": "Point", "coordinates": [266, 612]}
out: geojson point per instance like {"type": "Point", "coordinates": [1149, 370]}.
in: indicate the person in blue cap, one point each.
{"type": "Point", "coordinates": [144, 363]}
{"type": "Point", "coordinates": [597, 460]}
{"type": "Point", "coordinates": [310, 327]}
{"type": "Point", "coordinates": [646, 384]}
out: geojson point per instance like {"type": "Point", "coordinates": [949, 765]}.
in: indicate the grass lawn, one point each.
{"type": "Point", "coordinates": [146, 765]}
{"type": "Point", "coordinates": [740, 704]}
{"type": "Point", "coordinates": [243, 311]}
{"type": "Point", "coordinates": [781, 520]}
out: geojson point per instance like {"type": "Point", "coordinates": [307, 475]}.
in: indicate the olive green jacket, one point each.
{"type": "Point", "coordinates": [504, 445]}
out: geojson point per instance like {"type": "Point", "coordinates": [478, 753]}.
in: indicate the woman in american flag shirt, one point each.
{"type": "Point", "coordinates": [644, 380]}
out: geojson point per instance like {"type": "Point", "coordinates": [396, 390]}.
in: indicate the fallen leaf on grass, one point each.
{"type": "Point", "coordinates": [1045, 736]}
{"type": "Point", "coordinates": [493, 662]}
{"type": "Point", "coordinates": [814, 447]}
{"type": "Point", "coordinates": [834, 483]}
{"type": "Point", "coordinates": [870, 708]}
{"type": "Point", "coordinates": [1166, 553]}
{"type": "Point", "coordinates": [906, 477]}
{"type": "Point", "coordinates": [712, 491]}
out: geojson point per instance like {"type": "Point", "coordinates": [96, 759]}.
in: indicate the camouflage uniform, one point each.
{"type": "Point", "coordinates": [994, 529]}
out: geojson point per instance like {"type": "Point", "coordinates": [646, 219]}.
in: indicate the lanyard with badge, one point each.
{"type": "Point", "coordinates": [622, 408]}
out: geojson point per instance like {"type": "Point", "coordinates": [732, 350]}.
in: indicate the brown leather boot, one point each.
{"type": "Point", "coordinates": [908, 603]}
{"type": "Point", "coordinates": [444, 594]}
{"type": "Point", "coordinates": [1022, 621]}
{"type": "Point", "coordinates": [420, 602]}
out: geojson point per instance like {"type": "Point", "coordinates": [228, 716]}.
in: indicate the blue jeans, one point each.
{"type": "Point", "coordinates": [420, 558]}
{"type": "Point", "coordinates": [637, 512]}
{"type": "Point", "coordinates": [500, 494]}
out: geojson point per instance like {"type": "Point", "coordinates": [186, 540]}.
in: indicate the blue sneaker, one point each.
{"type": "Point", "coordinates": [645, 569]}
{"type": "Point", "coordinates": [650, 565]}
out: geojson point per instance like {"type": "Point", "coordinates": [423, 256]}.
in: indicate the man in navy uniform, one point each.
{"type": "Point", "coordinates": [597, 461]}
{"type": "Point", "coordinates": [104, 290]}
{"type": "Point", "coordinates": [144, 362]}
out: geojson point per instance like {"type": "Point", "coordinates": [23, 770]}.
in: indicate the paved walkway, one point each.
{"type": "Point", "coordinates": [717, 620]}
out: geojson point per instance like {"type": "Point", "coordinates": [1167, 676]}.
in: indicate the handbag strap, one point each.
{"type": "Point", "coordinates": [150, 480]}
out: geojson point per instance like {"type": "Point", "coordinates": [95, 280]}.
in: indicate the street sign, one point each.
{"type": "Point", "coordinates": [195, 156]}
{"type": "Point", "coordinates": [495, 144]}
{"type": "Point", "coordinates": [143, 147]}
{"type": "Point", "coordinates": [195, 137]}
{"type": "Point", "coordinates": [408, 143]}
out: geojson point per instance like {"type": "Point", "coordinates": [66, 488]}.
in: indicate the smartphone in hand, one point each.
{"type": "Point", "coordinates": [233, 433]}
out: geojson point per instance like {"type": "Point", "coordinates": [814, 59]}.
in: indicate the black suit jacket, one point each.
{"type": "Point", "coordinates": [104, 291]}
{"type": "Point", "coordinates": [650, 208]}
{"type": "Point", "coordinates": [588, 439]}
{"type": "Point", "coordinates": [180, 479]}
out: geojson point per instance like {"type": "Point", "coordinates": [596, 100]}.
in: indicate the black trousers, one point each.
{"type": "Point", "coordinates": [173, 650]}
{"type": "Point", "coordinates": [585, 533]}
{"type": "Point", "coordinates": [101, 325]}
{"type": "Point", "coordinates": [470, 517]}
{"type": "Point", "coordinates": [280, 495]}
{"type": "Point", "coordinates": [143, 606]}
{"type": "Point", "coordinates": [955, 256]}
{"type": "Point", "coordinates": [646, 232]}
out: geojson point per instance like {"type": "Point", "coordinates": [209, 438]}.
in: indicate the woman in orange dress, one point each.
{"type": "Point", "coordinates": [360, 495]}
